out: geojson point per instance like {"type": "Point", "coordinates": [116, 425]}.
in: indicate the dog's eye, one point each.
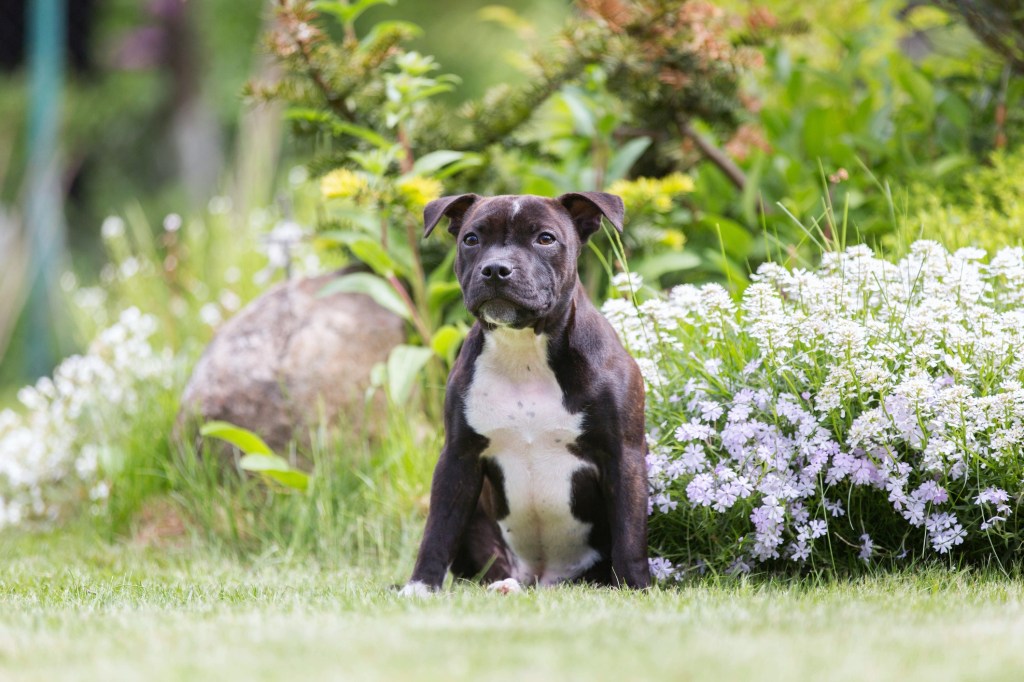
{"type": "Point", "coordinates": [545, 239]}
{"type": "Point", "coordinates": [471, 239]}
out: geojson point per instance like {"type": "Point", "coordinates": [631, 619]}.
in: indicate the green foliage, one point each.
{"type": "Point", "coordinates": [987, 211]}
{"type": "Point", "coordinates": [257, 455]}
{"type": "Point", "coordinates": [890, 99]}
{"type": "Point", "coordinates": [362, 502]}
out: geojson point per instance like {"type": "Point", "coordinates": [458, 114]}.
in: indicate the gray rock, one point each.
{"type": "Point", "coordinates": [291, 358]}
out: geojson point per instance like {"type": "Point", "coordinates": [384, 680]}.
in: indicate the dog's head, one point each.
{"type": "Point", "coordinates": [516, 258]}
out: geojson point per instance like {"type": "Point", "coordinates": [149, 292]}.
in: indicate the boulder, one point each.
{"type": "Point", "coordinates": [291, 358]}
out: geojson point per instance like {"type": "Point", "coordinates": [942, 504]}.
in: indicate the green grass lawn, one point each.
{"type": "Point", "coordinates": [75, 609]}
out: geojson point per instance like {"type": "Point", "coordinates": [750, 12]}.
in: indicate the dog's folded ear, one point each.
{"type": "Point", "coordinates": [587, 209]}
{"type": "Point", "coordinates": [454, 207]}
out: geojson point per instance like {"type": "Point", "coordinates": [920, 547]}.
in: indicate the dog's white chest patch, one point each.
{"type": "Point", "coordinates": [515, 401]}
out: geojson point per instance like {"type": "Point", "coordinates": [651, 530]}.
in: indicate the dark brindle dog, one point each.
{"type": "Point", "coordinates": [542, 478]}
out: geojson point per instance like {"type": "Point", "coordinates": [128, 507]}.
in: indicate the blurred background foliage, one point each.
{"type": "Point", "coordinates": [737, 131]}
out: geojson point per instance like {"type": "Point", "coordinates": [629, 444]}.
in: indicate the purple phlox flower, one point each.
{"type": "Point", "coordinates": [930, 491]}
{"type": "Point", "coordinates": [992, 496]}
{"type": "Point", "coordinates": [999, 498]}
{"type": "Point", "coordinates": [751, 367]}
{"type": "Point", "coordinates": [661, 568]}
{"type": "Point", "coordinates": [914, 513]}
{"type": "Point", "coordinates": [842, 464]}
{"type": "Point", "coordinates": [863, 472]}
{"type": "Point", "coordinates": [738, 566]}
{"type": "Point", "coordinates": [710, 410]}
{"type": "Point", "coordinates": [744, 396]}
{"type": "Point", "coordinates": [665, 503]}
{"type": "Point", "coordinates": [731, 487]}
{"type": "Point", "coordinates": [898, 497]}
{"type": "Point", "coordinates": [699, 490]}
{"type": "Point", "coordinates": [694, 459]}
{"type": "Point", "coordinates": [834, 508]}
{"type": "Point", "coordinates": [739, 412]}
{"type": "Point", "coordinates": [762, 398]}
{"type": "Point", "coordinates": [693, 431]}
{"type": "Point", "coordinates": [867, 547]}
{"type": "Point", "coordinates": [944, 532]}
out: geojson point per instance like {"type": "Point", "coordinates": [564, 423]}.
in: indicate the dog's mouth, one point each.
{"type": "Point", "coordinates": [501, 312]}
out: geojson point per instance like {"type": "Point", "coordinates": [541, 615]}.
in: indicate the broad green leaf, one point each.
{"type": "Point", "coordinates": [264, 462]}
{"type": "Point", "coordinates": [468, 161]}
{"type": "Point", "coordinates": [363, 133]}
{"type": "Point", "coordinates": [583, 119]}
{"type": "Point", "coordinates": [404, 363]}
{"type": "Point", "coordinates": [655, 266]}
{"type": "Point", "coordinates": [446, 342]}
{"type": "Point", "coordinates": [347, 13]}
{"type": "Point", "coordinates": [243, 439]}
{"type": "Point", "coordinates": [504, 16]}
{"type": "Point", "coordinates": [428, 163]}
{"type": "Point", "coordinates": [736, 241]}
{"type": "Point", "coordinates": [624, 158]}
{"type": "Point", "coordinates": [276, 468]}
{"type": "Point", "coordinates": [406, 30]}
{"type": "Point", "coordinates": [338, 127]}
{"type": "Point", "coordinates": [345, 237]}
{"type": "Point", "coordinates": [378, 289]}
{"type": "Point", "coordinates": [373, 254]}
{"type": "Point", "coordinates": [441, 293]}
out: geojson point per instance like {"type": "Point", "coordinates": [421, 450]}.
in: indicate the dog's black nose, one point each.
{"type": "Point", "coordinates": [496, 270]}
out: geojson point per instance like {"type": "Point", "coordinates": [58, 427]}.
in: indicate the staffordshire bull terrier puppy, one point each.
{"type": "Point", "coordinates": [542, 478]}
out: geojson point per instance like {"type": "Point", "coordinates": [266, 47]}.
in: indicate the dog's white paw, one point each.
{"type": "Point", "coordinates": [506, 586]}
{"type": "Point", "coordinates": [416, 590]}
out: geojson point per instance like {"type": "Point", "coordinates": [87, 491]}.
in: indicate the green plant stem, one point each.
{"type": "Point", "coordinates": [417, 321]}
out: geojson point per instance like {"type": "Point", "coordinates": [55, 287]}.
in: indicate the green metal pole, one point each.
{"type": "Point", "coordinates": [44, 217]}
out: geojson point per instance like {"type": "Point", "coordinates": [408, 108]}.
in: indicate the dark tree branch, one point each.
{"type": "Point", "coordinates": [714, 154]}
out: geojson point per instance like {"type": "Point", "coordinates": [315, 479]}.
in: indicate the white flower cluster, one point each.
{"type": "Point", "coordinates": [54, 451]}
{"type": "Point", "coordinates": [866, 405]}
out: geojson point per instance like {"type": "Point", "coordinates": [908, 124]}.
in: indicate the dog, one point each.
{"type": "Point", "coordinates": [542, 478]}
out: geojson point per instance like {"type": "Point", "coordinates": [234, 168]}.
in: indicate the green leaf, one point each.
{"type": "Point", "coordinates": [655, 266]}
{"type": "Point", "coordinates": [264, 462]}
{"type": "Point", "coordinates": [377, 140]}
{"type": "Point", "coordinates": [243, 439]}
{"type": "Point", "coordinates": [405, 30]}
{"type": "Point", "coordinates": [378, 289]}
{"type": "Point", "coordinates": [583, 119]}
{"type": "Point", "coordinates": [276, 468]}
{"type": "Point", "coordinates": [346, 13]}
{"type": "Point", "coordinates": [428, 163]}
{"type": "Point", "coordinates": [373, 254]}
{"type": "Point", "coordinates": [337, 126]}
{"type": "Point", "coordinates": [404, 363]}
{"type": "Point", "coordinates": [468, 161]}
{"type": "Point", "coordinates": [441, 293]}
{"type": "Point", "coordinates": [345, 237]}
{"type": "Point", "coordinates": [446, 342]}
{"type": "Point", "coordinates": [735, 239]}
{"type": "Point", "coordinates": [625, 157]}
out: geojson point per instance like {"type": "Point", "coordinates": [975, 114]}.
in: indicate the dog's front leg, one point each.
{"type": "Point", "coordinates": [453, 497]}
{"type": "Point", "coordinates": [627, 508]}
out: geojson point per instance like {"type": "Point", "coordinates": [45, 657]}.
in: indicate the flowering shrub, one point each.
{"type": "Point", "coordinates": [61, 449]}
{"type": "Point", "coordinates": [862, 411]}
